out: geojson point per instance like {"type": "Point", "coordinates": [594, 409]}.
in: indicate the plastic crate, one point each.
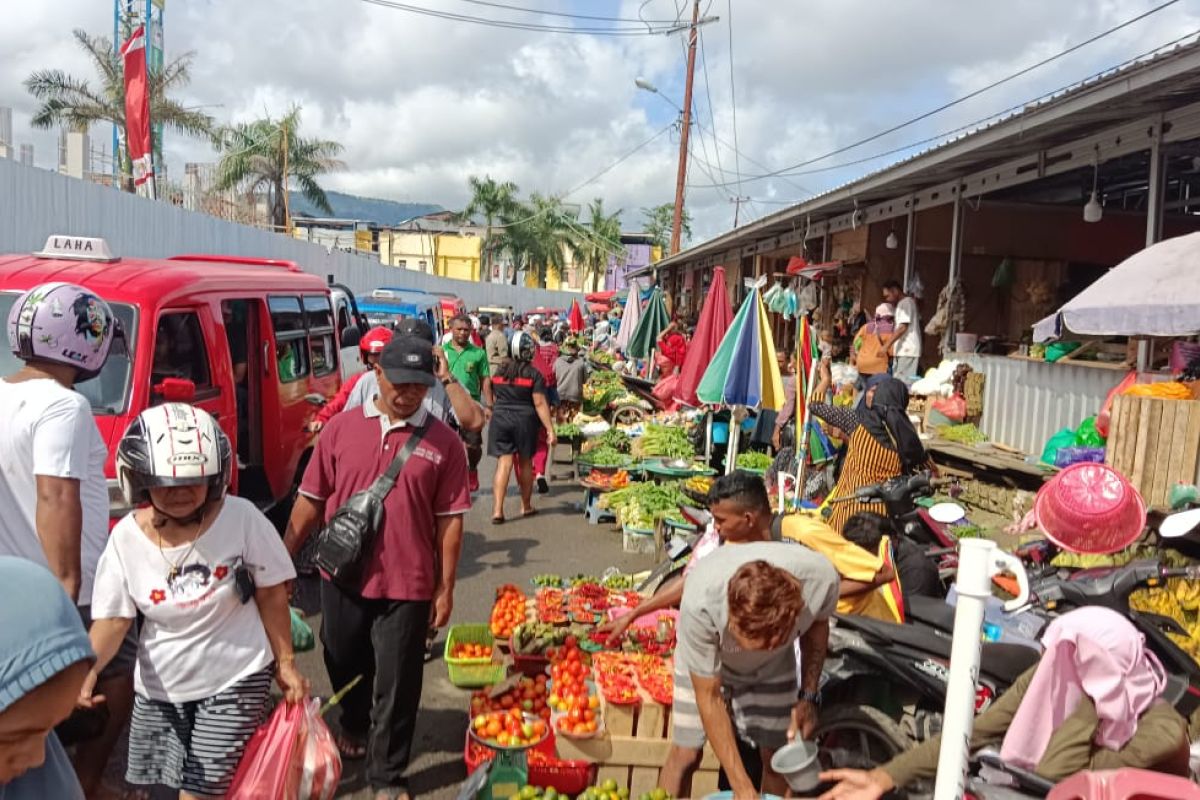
{"type": "Point", "coordinates": [567, 777]}
{"type": "Point", "coordinates": [471, 673]}
{"type": "Point", "coordinates": [530, 664]}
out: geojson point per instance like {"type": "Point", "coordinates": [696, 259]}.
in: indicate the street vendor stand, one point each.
{"type": "Point", "coordinates": [1152, 440]}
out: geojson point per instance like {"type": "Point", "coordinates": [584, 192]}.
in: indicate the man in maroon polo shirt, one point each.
{"type": "Point", "coordinates": [408, 581]}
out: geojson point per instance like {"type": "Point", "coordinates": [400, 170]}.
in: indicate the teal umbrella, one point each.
{"type": "Point", "coordinates": [654, 321]}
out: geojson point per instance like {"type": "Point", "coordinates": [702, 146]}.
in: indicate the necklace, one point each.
{"type": "Point", "coordinates": [176, 567]}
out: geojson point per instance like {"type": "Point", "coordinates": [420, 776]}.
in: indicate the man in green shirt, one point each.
{"type": "Point", "coordinates": [469, 366]}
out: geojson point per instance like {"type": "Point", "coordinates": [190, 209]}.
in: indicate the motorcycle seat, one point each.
{"type": "Point", "coordinates": [1004, 662]}
{"type": "Point", "coordinates": [932, 611]}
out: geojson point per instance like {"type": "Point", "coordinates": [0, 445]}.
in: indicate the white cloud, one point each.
{"type": "Point", "coordinates": [421, 103]}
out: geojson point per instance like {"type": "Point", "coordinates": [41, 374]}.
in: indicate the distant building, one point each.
{"type": "Point", "coordinates": [639, 252]}
{"type": "Point", "coordinates": [74, 154]}
{"type": "Point", "coordinates": [26, 156]}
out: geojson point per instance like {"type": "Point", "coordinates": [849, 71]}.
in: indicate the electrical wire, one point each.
{"type": "Point", "coordinates": [548, 13]}
{"type": "Point", "coordinates": [737, 158]}
{"type": "Point", "coordinates": [512, 25]}
{"type": "Point", "coordinates": [999, 114]}
{"type": "Point", "coordinates": [712, 118]}
{"type": "Point", "coordinates": [616, 163]}
{"type": "Point", "coordinates": [792, 170]}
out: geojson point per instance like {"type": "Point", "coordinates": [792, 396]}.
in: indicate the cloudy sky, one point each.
{"type": "Point", "coordinates": [421, 103]}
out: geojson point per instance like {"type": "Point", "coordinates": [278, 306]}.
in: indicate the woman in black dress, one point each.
{"type": "Point", "coordinates": [519, 394]}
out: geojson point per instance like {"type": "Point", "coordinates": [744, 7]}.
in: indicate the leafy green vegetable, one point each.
{"type": "Point", "coordinates": [640, 505]}
{"type": "Point", "coordinates": [567, 431]}
{"type": "Point", "coordinates": [604, 456]}
{"type": "Point", "coordinates": [664, 441]}
{"type": "Point", "coordinates": [613, 437]}
{"type": "Point", "coordinates": [963, 434]}
{"type": "Point", "coordinates": [753, 460]}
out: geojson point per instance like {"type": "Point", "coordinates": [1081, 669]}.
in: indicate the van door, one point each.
{"type": "Point", "coordinates": [187, 342]}
{"type": "Point", "coordinates": [285, 411]}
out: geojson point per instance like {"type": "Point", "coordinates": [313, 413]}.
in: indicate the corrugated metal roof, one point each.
{"type": "Point", "coordinates": [1142, 86]}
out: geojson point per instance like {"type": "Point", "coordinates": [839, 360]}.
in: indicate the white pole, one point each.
{"type": "Point", "coordinates": [735, 433]}
{"type": "Point", "coordinates": [978, 561]}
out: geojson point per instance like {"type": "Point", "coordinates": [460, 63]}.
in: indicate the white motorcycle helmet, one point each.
{"type": "Point", "coordinates": [173, 444]}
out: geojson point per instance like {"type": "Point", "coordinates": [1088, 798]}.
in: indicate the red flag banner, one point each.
{"type": "Point", "coordinates": [137, 106]}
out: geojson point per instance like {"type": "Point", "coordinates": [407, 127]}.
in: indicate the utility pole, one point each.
{"type": "Point", "coordinates": [681, 176]}
{"type": "Point", "coordinates": [737, 207]}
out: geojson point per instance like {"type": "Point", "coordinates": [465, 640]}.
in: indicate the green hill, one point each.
{"type": "Point", "coordinates": [367, 209]}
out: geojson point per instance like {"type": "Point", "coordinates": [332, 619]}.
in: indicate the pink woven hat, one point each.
{"type": "Point", "coordinates": [1090, 508]}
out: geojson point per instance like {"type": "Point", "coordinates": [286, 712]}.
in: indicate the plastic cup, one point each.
{"type": "Point", "coordinates": [797, 763]}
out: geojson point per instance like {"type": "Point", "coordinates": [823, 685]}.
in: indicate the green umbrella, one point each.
{"type": "Point", "coordinates": [653, 322]}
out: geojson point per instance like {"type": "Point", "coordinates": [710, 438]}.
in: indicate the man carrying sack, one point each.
{"type": "Point", "coordinates": [377, 606]}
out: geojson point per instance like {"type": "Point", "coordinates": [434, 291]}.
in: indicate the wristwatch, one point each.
{"type": "Point", "coordinates": [448, 381]}
{"type": "Point", "coordinates": [809, 697]}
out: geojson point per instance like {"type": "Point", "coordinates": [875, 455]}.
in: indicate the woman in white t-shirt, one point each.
{"type": "Point", "coordinates": [208, 573]}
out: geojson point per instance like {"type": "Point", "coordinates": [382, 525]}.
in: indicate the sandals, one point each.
{"type": "Point", "coordinates": [530, 513]}
{"type": "Point", "coordinates": [391, 793]}
{"type": "Point", "coordinates": [498, 520]}
{"type": "Point", "coordinates": [350, 749]}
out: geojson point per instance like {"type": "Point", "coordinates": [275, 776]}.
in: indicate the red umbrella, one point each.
{"type": "Point", "coordinates": [715, 319]}
{"type": "Point", "coordinates": [575, 317]}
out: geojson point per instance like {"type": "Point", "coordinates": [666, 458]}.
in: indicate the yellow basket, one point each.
{"type": "Point", "coordinates": [472, 673]}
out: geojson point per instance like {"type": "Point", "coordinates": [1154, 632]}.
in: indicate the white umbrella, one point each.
{"type": "Point", "coordinates": [1151, 293]}
{"type": "Point", "coordinates": [630, 317]}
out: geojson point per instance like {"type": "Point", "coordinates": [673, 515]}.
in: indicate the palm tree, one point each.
{"type": "Point", "coordinates": [541, 238]}
{"type": "Point", "coordinates": [268, 154]}
{"type": "Point", "coordinates": [493, 201]}
{"type": "Point", "coordinates": [601, 243]}
{"type": "Point", "coordinates": [76, 104]}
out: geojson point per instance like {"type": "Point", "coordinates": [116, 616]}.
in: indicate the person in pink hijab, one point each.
{"type": "Point", "coordinates": [1091, 702]}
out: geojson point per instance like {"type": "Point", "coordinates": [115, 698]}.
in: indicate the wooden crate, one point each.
{"type": "Point", "coordinates": [1155, 443]}
{"type": "Point", "coordinates": [634, 747]}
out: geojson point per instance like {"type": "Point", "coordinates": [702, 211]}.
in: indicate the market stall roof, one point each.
{"type": "Point", "coordinates": [1139, 88]}
{"type": "Point", "coordinates": [1151, 293]}
{"type": "Point", "coordinates": [599, 297]}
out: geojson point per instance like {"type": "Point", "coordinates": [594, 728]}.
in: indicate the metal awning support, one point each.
{"type": "Point", "coordinates": [910, 245]}
{"type": "Point", "coordinates": [1154, 203]}
{"type": "Point", "coordinates": [955, 262]}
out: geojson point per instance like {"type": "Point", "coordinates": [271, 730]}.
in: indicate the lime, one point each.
{"type": "Point", "coordinates": [659, 793]}
{"type": "Point", "coordinates": [609, 785]}
{"type": "Point", "coordinates": [623, 793]}
{"type": "Point", "coordinates": [551, 793]}
{"type": "Point", "coordinates": [528, 792]}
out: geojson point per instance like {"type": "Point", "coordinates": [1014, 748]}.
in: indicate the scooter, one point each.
{"type": "Point", "coordinates": [885, 687]}
{"type": "Point", "coordinates": [898, 496]}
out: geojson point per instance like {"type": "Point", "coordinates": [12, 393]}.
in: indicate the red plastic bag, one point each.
{"type": "Point", "coordinates": [321, 767]}
{"type": "Point", "coordinates": [953, 407]}
{"type": "Point", "coordinates": [272, 760]}
{"type": "Point", "coordinates": [1104, 418]}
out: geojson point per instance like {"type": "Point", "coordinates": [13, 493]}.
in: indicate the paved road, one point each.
{"type": "Point", "coordinates": [557, 539]}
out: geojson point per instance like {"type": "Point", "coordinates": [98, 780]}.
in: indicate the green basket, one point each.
{"type": "Point", "coordinates": [471, 673]}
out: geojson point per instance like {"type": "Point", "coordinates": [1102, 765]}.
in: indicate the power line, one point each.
{"type": "Point", "coordinates": [712, 118]}
{"type": "Point", "coordinates": [790, 170]}
{"type": "Point", "coordinates": [616, 163]}
{"type": "Point", "coordinates": [737, 158]}
{"type": "Point", "coordinates": [548, 13]}
{"type": "Point", "coordinates": [512, 25]}
{"type": "Point", "coordinates": [976, 123]}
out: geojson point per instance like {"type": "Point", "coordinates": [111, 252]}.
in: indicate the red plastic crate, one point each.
{"type": "Point", "coordinates": [567, 777]}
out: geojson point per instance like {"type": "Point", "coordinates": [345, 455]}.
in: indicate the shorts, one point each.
{"type": "Point", "coordinates": [125, 660]}
{"type": "Point", "coordinates": [513, 433]}
{"type": "Point", "coordinates": [761, 713]}
{"type": "Point", "coordinates": [552, 396]}
{"type": "Point", "coordinates": [196, 746]}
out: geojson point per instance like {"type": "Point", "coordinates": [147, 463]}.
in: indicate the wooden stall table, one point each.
{"type": "Point", "coordinates": [633, 747]}
{"type": "Point", "coordinates": [995, 478]}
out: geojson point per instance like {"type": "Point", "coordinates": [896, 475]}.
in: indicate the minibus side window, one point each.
{"type": "Point", "coordinates": [319, 318]}
{"type": "Point", "coordinates": [179, 350]}
{"type": "Point", "coordinates": [291, 338]}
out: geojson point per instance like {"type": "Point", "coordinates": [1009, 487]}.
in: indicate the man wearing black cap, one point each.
{"type": "Point", "coordinates": [378, 631]}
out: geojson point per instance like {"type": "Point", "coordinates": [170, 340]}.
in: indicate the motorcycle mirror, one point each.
{"type": "Point", "coordinates": [1179, 524]}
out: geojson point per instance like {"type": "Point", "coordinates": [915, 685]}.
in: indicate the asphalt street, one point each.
{"type": "Point", "coordinates": [557, 539]}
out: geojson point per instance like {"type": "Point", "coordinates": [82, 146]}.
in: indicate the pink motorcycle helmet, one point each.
{"type": "Point", "coordinates": [63, 324]}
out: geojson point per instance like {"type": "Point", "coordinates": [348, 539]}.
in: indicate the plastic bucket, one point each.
{"type": "Point", "coordinates": [965, 342]}
{"type": "Point", "coordinates": [797, 763]}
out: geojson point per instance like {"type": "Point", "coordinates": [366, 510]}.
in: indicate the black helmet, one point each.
{"type": "Point", "coordinates": [173, 444]}
{"type": "Point", "coordinates": [523, 347]}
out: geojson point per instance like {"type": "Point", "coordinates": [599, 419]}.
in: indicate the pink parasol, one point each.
{"type": "Point", "coordinates": [715, 319]}
{"type": "Point", "coordinates": [575, 317]}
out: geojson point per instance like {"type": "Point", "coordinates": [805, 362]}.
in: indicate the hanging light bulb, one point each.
{"type": "Point", "coordinates": [1092, 210]}
{"type": "Point", "coordinates": [892, 241]}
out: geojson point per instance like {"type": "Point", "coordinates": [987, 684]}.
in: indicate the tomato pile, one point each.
{"type": "Point", "coordinates": [651, 641]}
{"type": "Point", "coordinates": [617, 675]}
{"type": "Point", "coordinates": [511, 728]}
{"type": "Point", "coordinates": [472, 650]}
{"type": "Point", "coordinates": [508, 611]}
{"type": "Point", "coordinates": [550, 607]}
{"type": "Point", "coordinates": [657, 677]}
{"type": "Point", "coordinates": [529, 696]}
{"type": "Point", "coordinates": [577, 709]}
